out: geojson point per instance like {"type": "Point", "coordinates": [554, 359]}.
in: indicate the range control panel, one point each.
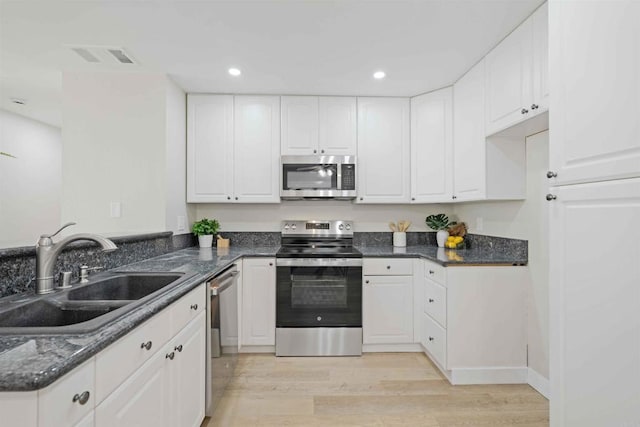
{"type": "Point", "coordinates": [317, 228]}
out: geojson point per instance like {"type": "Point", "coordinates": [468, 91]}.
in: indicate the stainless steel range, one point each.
{"type": "Point", "coordinates": [318, 290]}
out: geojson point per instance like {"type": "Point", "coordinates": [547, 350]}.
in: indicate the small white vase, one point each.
{"type": "Point", "coordinates": [441, 237]}
{"type": "Point", "coordinates": [399, 239]}
{"type": "Point", "coordinates": [205, 241]}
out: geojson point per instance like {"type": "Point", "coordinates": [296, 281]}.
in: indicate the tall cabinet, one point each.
{"type": "Point", "coordinates": [594, 239]}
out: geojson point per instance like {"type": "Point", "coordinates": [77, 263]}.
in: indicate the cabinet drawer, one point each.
{"type": "Point", "coordinates": [187, 308]}
{"type": "Point", "coordinates": [63, 402]}
{"type": "Point", "coordinates": [435, 272]}
{"type": "Point", "coordinates": [117, 362]}
{"type": "Point", "coordinates": [435, 340]}
{"type": "Point", "coordinates": [387, 266]}
{"type": "Point", "coordinates": [435, 301]}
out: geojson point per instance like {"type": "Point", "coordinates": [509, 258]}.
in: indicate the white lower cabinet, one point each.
{"type": "Point", "coordinates": [258, 302]}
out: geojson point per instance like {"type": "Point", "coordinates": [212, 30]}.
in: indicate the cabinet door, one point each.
{"type": "Point", "coordinates": [88, 421]}
{"type": "Point", "coordinates": [142, 400]}
{"type": "Point", "coordinates": [432, 147]}
{"type": "Point", "coordinates": [188, 374]}
{"type": "Point", "coordinates": [508, 80]}
{"type": "Point", "coordinates": [299, 125]}
{"type": "Point", "coordinates": [19, 408]}
{"type": "Point", "coordinates": [595, 303]}
{"type": "Point", "coordinates": [258, 301]}
{"type": "Point", "coordinates": [540, 23]}
{"type": "Point", "coordinates": [469, 148]}
{"type": "Point", "coordinates": [594, 113]}
{"type": "Point", "coordinates": [383, 150]}
{"type": "Point", "coordinates": [209, 148]}
{"type": "Point", "coordinates": [387, 310]}
{"type": "Point", "coordinates": [256, 149]}
{"type": "Point", "coordinates": [338, 125]}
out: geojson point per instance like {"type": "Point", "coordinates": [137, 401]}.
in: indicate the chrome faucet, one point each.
{"type": "Point", "coordinates": [47, 253]}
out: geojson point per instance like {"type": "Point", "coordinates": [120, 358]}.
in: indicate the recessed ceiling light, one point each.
{"type": "Point", "coordinates": [234, 72]}
{"type": "Point", "coordinates": [379, 75]}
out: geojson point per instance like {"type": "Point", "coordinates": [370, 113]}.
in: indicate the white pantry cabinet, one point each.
{"type": "Point", "coordinates": [596, 91]}
{"type": "Point", "coordinates": [484, 168]}
{"type": "Point", "coordinates": [316, 125]}
{"type": "Point", "coordinates": [258, 302]}
{"type": "Point", "coordinates": [432, 147]}
{"type": "Point", "coordinates": [233, 149]}
{"type": "Point", "coordinates": [516, 75]}
{"type": "Point", "coordinates": [595, 302]}
{"type": "Point", "coordinates": [387, 301]}
{"type": "Point", "coordinates": [384, 150]}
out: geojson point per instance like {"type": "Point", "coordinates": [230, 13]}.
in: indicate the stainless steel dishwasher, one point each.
{"type": "Point", "coordinates": [222, 341]}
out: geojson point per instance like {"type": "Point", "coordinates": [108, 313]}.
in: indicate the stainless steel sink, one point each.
{"type": "Point", "coordinates": [85, 307]}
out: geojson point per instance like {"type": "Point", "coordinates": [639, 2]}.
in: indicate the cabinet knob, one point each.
{"type": "Point", "coordinates": [147, 345]}
{"type": "Point", "coordinates": [431, 300]}
{"type": "Point", "coordinates": [270, 264]}
{"type": "Point", "coordinates": [413, 199]}
{"type": "Point", "coordinates": [322, 151]}
{"type": "Point", "coordinates": [170, 356]}
{"type": "Point", "coordinates": [366, 281]}
{"type": "Point", "coordinates": [431, 272]}
{"type": "Point", "coordinates": [315, 151]}
{"type": "Point", "coordinates": [178, 348]}
{"type": "Point", "coordinates": [454, 197]}
{"type": "Point", "coordinates": [236, 198]}
{"type": "Point", "coordinates": [431, 338]}
{"type": "Point", "coordinates": [228, 197]}
{"type": "Point", "coordinates": [524, 111]}
{"type": "Point", "coordinates": [551, 197]}
{"type": "Point", "coordinates": [194, 306]}
{"type": "Point", "coordinates": [388, 267]}
{"type": "Point", "coordinates": [551, 174]}
{"type": "Point", "coordinates": [82, 398]}
{"type": "Point", "coordinates": [360, 198]}
{"type": "Point", "coordinates": [534, 106]}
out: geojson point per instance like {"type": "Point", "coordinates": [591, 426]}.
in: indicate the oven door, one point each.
{"type": "Point", "coordinates": [318, 292]}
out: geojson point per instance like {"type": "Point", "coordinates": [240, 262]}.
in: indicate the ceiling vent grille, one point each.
{"type": "Point", "coordinates": [85, 54]}
{"type": "Point", "coordinates": [103, 54]}
{"type": "Point", "coordinates": [120, 56]}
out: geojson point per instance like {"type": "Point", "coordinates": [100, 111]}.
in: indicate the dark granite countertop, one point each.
{"type": "Point", "coordinates": [33, 362]}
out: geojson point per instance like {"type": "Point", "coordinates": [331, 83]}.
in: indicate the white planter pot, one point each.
{"type": "Point", "coordinates": [399, 239]}
{"type": "Point", "coordinates": [205, 241]}
{"type": "Point", "coordinates": [441, 237]}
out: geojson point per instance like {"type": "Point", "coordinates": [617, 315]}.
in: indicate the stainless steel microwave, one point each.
{"type": "Point", "coordinates": [318, 177]}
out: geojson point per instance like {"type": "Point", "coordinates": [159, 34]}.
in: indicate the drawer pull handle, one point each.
{"type": "Point", "coordinates": [178, 348]}
{"type": "Point", "coordinates": [431, 272]}
{"type": "Point", "coordinates": [82, 398]}
{"type": "Point", "coordinates": [431, 300]}
{"type": "Point", "coordinates": [170, 356]}
{"type": "Point", "coordinates": [146, 345]}
{"type": "Point", "coordinates": [431, 338]}
{"type": "Point", "coordinates": [194, 306]}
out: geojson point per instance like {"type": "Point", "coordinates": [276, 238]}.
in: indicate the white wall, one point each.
{"type": "Point", "coordinates": [257, 217]}
{"type": "Point", "coordinates": [114, 137]}
{"type": "Point", "coordinates": [30, 184]}
{"type": "Point", "coordinates": [179, 215]}
{"type": "Point", "coordinates": [525, 220]}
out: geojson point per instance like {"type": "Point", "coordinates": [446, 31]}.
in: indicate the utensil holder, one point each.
{"type": "Point", "coordinates": [223, 243]}
{"type": "Point", "coordinates": [399, 239]}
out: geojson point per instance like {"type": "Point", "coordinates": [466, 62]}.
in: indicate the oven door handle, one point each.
{"type": "Point", "coordinates": [318, 262]}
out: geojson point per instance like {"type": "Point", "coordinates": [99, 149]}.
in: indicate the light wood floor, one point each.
{"type": "Point", "coordinates": [377, 389]}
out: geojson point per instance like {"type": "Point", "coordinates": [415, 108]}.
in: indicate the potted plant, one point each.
{"type": "Point", "coordinates": [205, 229]}
{"type": "Point", "coordinates": [439, 223]}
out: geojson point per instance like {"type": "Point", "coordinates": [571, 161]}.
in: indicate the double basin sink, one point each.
{"type": "Point", "coordinates": [87, 307]}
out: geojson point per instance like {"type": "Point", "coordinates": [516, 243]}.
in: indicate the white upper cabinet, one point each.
{"type": "Point", "coordinates": [431, 147]}
{"type": "Point", "coordinates": [595, 64]}
{"type": "Point", "coordinates": [383, 150]}
{"type": "Point", "coordinates": [257, 149]}
{"type": "Point", "coordinates": [209, 148]}
{"type": "Point", "coordinates": [516, 75]}
{"type": "Point", "coordinates": [318, 125]}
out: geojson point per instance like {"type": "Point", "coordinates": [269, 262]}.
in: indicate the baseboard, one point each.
{"type": "Point", "coordinates": [539, 383]}
{"type": "Point", "coordinates": [391, 348]}
{"type": "Point", "coordinates": [489, 375]}
{"type": "Point", "coordinates": [257, 349]}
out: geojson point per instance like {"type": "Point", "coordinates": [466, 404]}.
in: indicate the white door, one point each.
{"type": "Point", "coordinates": [299, 125]}
{"type": "Point", "coordinates": [188, 374]}
{"type": "Point", "coordinates": [469, 142]}
{"type": "Point", "coordinates": [432, 147]}
{"type": "Point", "coordinates": [209, 148]}
{"type": "Point", "coordinates": [387, 310]}
{"type": "Point", "coordinates": [595, 304]}
{"type": "Point", "coordinates": [383, 150]}
{"type": "Point", "coordinates": [595, 108]}
{"type": "Point", "coordinates": [540, 23]}
{"type": "Point", "coordinates": [508, 80]}
{"type": "Point", "coordinates": [257, 149]}
{"type": "Point", "coordinates": [338, 125]}
{"type": "Point", "coordinates": [258, 301]}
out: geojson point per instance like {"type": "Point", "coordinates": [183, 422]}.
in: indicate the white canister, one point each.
{"type": "Point", "coordinates": [399, 239]}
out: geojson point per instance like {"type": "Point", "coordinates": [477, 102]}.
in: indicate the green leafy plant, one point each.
{"type": "Point", "coordinates": [439, 222]}
{"type": "Point", "coordinates": [205, 226]}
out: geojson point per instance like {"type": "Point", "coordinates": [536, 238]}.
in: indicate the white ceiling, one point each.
{"type": "Point", "coordinates": [282, 47]}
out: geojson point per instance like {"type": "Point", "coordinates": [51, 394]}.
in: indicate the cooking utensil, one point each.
{"type": "Point", "coordinates": [392, 226]}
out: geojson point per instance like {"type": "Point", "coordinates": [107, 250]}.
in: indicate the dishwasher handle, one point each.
{"type": "Point", "coordinates": [219, 284]}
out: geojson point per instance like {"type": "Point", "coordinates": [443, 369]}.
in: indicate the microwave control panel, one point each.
{"type": "Point", "coordinates": [348, 176]}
